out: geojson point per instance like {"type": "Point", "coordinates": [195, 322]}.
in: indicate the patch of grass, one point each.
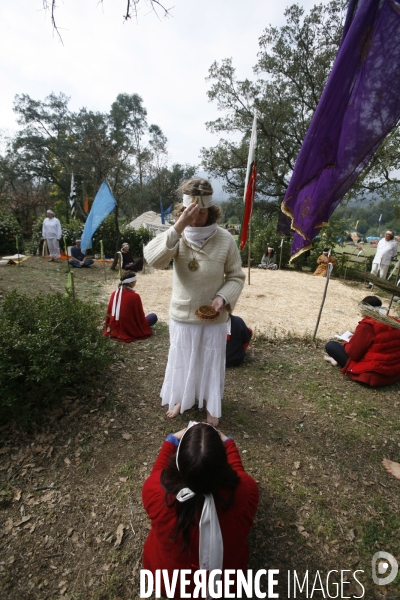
{"type": "Point", "coordinates": [128, 469]}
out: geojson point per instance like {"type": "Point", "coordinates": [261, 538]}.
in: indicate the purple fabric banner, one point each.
{"type": "Point", "coordinates": [358, 108]}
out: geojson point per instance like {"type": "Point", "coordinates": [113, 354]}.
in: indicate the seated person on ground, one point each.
{"type": "Point", "coordinates": [268, 260]}
{"type": "Point", "coordinates": [125, 319]}
{"type": "Point", "coordinates": [323, 262]}
{"type": "Point", "coordinates": [128, 262]}
{"type": "Point", "coordinates": [239, 336]}
{"type": "Point", "coordinates": [201, 504]}
{"type": "Point", "coordinates": [78, 259]}
{"type": "Point", "coordinates": [372, 355]}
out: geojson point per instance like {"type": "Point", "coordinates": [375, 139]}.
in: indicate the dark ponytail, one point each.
{"type": "Point", "coordinates": [204, 468]}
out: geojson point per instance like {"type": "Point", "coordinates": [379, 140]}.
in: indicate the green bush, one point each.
{"type": "Point", "coordinates": [9, 230]}
{"type": "Point", "coordinates": [136, 239]}
{"type": "Point", "coordinates": [47, 343]}
{"type": "Point", "coordinates": [328, 238]}
{"type": "Point", "coordinates": [261, 238]}
{"type": "Point", "coordinates": [108, 233]}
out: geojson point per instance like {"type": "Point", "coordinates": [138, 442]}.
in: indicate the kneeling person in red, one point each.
{"type": "Point", "coordinates": [201, 503]}
{"type": "Point", "coordinates": [126, 321]}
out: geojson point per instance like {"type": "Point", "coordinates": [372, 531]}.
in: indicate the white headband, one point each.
{"type": "Point", "coordinates": [128, 280]}
{"type": "Point", "coordinates": [202, 201]}
{"type": "Point", "coordinates": [50, 211]}
{"type": "Point", "coordinates": [116, 307]}
{"type": "Point", "coordinates": [211, 545]}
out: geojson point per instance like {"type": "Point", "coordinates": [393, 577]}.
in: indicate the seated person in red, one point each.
{"type": "Point", "coordinates": [198, 486]}
{"type": "Point", "coordinates": [125, 319]}
{"type": "Point", "coordinates": [128, 262]}
{"type": "Point", "coordinates": [372, 355]}
{"type": "Point", "coordinates": [239, 336]}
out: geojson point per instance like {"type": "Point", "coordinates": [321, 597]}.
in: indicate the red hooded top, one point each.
{"type": "Point", "coordinates": [132, 324]}
{"type": "Point", "coordinates": [374, 353]}
{"type": "Point", "coordinates": [162, 552]}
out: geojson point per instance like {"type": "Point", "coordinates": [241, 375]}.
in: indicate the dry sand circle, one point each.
{"type": "Point", "coordinates": [275, 303]}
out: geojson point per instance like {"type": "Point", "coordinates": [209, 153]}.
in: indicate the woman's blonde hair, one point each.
{"type": "Point", "coordinates": [195, 187]}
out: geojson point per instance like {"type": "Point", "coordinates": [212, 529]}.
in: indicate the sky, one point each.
{"type": "Point", "coordinates": [165, 61]}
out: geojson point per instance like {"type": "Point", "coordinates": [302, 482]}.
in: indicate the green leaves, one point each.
{"type": "Point", "coordinates": [48, 342]}
{"type": "Point", "coordinates": [294, 62]}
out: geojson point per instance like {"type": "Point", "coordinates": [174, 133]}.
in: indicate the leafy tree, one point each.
{"type": "Point", "coordinates": [53, 143]}
{"type": "Point", "coordinates": [293, 65]}
{"type": "Point", "coordinates": [9, 230]}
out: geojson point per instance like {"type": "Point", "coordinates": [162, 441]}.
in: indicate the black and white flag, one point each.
{"type": "Point", "coordinates": [72, 196]}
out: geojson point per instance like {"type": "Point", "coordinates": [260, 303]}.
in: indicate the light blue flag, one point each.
{"type": "Point", "coordinates": [103, 204]}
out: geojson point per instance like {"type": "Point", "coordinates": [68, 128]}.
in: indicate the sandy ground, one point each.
{"type": "Point", "coordinates": [275, 302]}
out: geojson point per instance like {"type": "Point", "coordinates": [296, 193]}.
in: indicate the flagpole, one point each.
{"type": "Point", "coordinates": [66, 252]}
{"type": "Point", "coordinates": [73, 283]}
{"type": "Point", "coordinates": [17, 245]}
{"type": "Point", "coordinates": [328, 275]}
{"type": "Point", "coordinates": [280, 256]}
{"type": "Point", "coordinates": [103, 259]}
{"type": "Point", "coordinates": [249, 254]}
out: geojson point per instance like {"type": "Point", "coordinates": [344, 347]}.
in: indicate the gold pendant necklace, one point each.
{"type": "Point", "coordinates": [194, 264]}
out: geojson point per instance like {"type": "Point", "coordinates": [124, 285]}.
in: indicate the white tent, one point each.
{"type": "Point", "coordinates": [150, 220]}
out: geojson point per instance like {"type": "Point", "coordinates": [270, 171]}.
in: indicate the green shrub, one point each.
{"type": "Point", "coordinates": [108, 233]}
{"type": "Point", "coordinates": [71, 232]}
{"type": "Point", "coordinates": [9, 230]}
{"type": "Point", "coordinates": [136, 239]}
{"type": "Point", "coordinates": [261, 238]}
{"type": "Point", "coordinates": [47, 343]}
{"type": "Point", "coordinates": [328, 237]}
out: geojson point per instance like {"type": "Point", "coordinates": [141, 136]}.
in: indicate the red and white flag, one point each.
{"type": "Point", "coordinates": [250, 185]}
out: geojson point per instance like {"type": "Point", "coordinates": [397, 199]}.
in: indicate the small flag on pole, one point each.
{"type": "Point", "coordinates": [380, 218]}
{"type": "Point", "coordinates": [250, 185]}
{"type": "Point", "coordinates": [357, 225]}
{"type": "Point", "coordinates": [72, 196]}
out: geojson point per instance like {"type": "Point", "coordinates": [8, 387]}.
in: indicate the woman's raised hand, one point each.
{"type": "Point", "coordinates": [187, 217]}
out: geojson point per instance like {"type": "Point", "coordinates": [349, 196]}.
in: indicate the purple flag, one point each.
{"type": "Point", "coordinates": [358, 107]}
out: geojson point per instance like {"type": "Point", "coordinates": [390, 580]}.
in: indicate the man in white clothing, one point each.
{"type": "Point", "coordinates": [51, 232]}
{"type": "Point", "coordinates": [385, 251]}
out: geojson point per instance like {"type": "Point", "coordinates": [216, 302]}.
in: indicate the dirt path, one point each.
{"type": "Point", "coordinates": [279, 302]}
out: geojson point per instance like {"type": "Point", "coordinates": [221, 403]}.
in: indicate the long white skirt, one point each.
{"type": "Point", "coordinates": [196, 366]}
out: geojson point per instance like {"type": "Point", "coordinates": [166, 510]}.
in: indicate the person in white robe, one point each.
{"type": "Point", "coordinates": [52, 233]}
{"type": "Point", "coordinates": [385, 251]}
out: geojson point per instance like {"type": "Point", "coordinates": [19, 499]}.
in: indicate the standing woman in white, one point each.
{"type": "Point", "coordinates": [52, 233]}
{"type": "Point", "coordinates": [385, 251]}
{"type": "Point", "coordinates": [207, 270]}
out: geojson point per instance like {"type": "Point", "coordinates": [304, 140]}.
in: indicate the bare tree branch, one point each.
{"type": "Point", "coordinates": [131, 10]}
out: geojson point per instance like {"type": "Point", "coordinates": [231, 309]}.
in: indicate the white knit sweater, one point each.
{"type": "Point", "coordinates": [219, 273]}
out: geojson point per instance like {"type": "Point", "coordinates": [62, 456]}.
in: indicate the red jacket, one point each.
{"type": "Point", "coordinates": [161, 552]}
{"type": "Point", "coordinates": [132, 324]}
{"type": "Point", "coordinates": [374, 353]}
